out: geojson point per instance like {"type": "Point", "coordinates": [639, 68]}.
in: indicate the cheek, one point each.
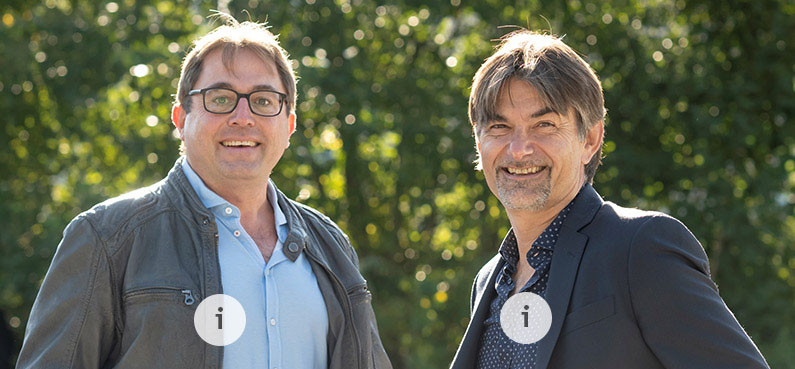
{"type": "Point", "coordinates": [488, 149]}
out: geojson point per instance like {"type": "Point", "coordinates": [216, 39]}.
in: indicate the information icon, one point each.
{"type": "Point", "coordinates": [526, 318]}
{"type": "Point", "coordinates": [219, 320]}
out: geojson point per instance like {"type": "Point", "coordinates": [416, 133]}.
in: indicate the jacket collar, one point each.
{"type": "Point", "coordinates": [186, 201]}
{"type": "Point", "coordinates": [565, 263]}
{"type": "Point", "coordinates": [467, 355]}
{"type": "Point", "coordinates": [297, 235]}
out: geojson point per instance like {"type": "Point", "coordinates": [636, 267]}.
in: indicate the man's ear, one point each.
{"type": "Point", "coordinates": [291, 126]}
{"type": "Point", "coordinates": [178, 114]}
{"type": "Point", "coordinates": [478, 162]}
{"type": "Point", "coordinates": [593, 140]}
{"type": "Point", "coordinates": [291, 120]}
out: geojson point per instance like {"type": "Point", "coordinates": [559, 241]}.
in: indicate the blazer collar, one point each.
{"type": "Point", "coordinates": [467, 355]}
{"type": "Point", "coordinates": [585, 208]}
{"type": "Point", "coordinates": [565, 263]}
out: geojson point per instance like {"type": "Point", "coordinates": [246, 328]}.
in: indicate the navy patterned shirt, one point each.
{"type": "Point", "coordinates": [497, 351]}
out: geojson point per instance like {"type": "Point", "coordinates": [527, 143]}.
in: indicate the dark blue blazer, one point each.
{"type": "Point", "coordinates": [628, 289]}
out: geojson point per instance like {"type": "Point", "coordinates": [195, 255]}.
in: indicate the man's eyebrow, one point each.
{"type": "Point", "coordinates": [257, 87]}
{"type": "Point", "coordinates": [220, 84]}
{"type": "Point", "coordinates": [542, 112]}
{"type": "Point", "coordinates": [265, 87]}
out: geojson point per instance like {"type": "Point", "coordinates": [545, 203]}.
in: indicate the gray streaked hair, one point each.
{"type": "Point", "coordinates": [563, 80]}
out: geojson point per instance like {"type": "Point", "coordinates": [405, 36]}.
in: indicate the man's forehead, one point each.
{"type": "Point", "coordinates": [516, 89]}
{"type": "Point", "coordinates": [516, 93]}
{"type": "Point", "coordinates": [240, 63]}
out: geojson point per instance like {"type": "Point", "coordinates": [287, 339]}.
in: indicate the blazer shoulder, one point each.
{"type": "Point", "coordinates": [625, 214]}
{"type": "Point", "coordinates": [640, 219]}
{"type": "Point", "coordinates": [631, 220]}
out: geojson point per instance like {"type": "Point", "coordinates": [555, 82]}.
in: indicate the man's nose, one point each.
{"type": "Point", "coordinates": [521, 145]}
{"type": "Point", "coordinates": [242, 114]}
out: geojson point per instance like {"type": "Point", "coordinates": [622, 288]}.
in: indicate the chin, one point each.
{"type": "Point", "coordinates": [525, 204]}
{"type": "Point", "coordinates": [240, 170]}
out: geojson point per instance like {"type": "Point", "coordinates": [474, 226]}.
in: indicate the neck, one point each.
{"type": "Point", "coordinates": [528, 224]}
{"type": "Point", "coordinates": [250, 196]}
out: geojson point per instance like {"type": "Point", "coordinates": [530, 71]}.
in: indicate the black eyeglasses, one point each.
{"type": "Point", "coordinates": [220, 100]}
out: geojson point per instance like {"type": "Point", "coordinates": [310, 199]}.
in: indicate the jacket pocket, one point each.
{"type": "Point", "coordinates": [158, 329]}
{"type": "Point", "coordinates": [589, 314]}
{"type": "Point", "coordinates": [144, 294]}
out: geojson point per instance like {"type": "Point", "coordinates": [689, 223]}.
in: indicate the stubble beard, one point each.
{"type": "Point", "coordinates": [524, 195]}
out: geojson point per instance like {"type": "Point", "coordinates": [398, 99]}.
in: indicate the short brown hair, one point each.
{"type": "Point", "coordinates": [559, 75]}
{"type": "Point", "coordinates": [230, 38]}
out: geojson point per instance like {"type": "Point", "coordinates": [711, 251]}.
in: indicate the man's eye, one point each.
{"type": "Point", "coordinates": [263, 102]}
{"type": "Point", "coordinates": [220, 100]}
{"type": "Point", "coordinates": [498, 126]}
{"type": "Point", "coordinates": [546, 124]}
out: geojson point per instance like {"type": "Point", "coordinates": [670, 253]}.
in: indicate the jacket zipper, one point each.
{"type": "Point", "coordinates": [189, 299]}
{"type": "Point", "coordinates": [346, 303]}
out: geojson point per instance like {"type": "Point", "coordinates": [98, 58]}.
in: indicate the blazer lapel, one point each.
{"type": "Point", "coordinates": [467, 354]}
{"type": "Point", "coordinates": [565, 263]}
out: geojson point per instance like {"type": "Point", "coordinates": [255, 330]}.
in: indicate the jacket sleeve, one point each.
{"type": "Point", "coordinates": [681, 316]}
{"type": "Point", "coordinates": [71, 324]}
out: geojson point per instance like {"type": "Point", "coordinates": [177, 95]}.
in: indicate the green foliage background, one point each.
{"type": "Point", "coordinates": [699, 93]}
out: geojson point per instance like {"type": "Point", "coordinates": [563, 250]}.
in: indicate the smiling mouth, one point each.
{"type": "Point", "coordinates": [523, 171]}
{"type": "Point", "coordinates": [239, 143]}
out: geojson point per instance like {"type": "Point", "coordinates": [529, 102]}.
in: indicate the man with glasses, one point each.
{"type": "Point", "coordinates": [129, 275]}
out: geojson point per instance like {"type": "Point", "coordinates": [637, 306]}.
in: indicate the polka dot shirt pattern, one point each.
{"type": "Point", "coordinates": [497, 351]}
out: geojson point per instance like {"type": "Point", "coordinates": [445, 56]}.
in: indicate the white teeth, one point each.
{"type": "Point", "coordinates": [238, 143]}
{"type": "Point", "coordinates": [530, 170]}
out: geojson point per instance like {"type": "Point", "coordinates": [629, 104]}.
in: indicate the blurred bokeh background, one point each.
{"type": "Point", "coordinates": [700, 125]}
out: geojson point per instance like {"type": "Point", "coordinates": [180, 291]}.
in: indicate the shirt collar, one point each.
{"type": "Point", "coordinates": [278, 216]}
{"type": "Point", "coordinates": [209, 198]}
{"type": "Point", "coordinates": [509, 249]}
{"type": "Point", "coordinates": [216, 203]}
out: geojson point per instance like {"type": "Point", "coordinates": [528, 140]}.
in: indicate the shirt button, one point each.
{"type": "Point", "coordinates": [273, 321]}
{"type": "Point", "coordinates": [268, 272]}
{"type": "Point", "coordinates": [237, 233]}
{"type": "Point", "coordinates": [228, 210]}
{"type": "Point", "coordinates": [293, 247]}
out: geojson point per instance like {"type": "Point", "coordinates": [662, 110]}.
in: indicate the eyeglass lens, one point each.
{"type": "Point", "coordinates": [221, 100]}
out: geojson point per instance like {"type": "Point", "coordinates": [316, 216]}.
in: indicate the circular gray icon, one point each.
{"type": "Point", "coordinates": [526, 318]}
{"type": "Point", "coordinates": [219, 320]}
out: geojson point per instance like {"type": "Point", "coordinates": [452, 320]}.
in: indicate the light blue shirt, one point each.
{"type": "Point", "coordinates": [286, 318]}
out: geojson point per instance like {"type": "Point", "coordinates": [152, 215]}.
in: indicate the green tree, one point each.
{"type": "Point", "coordinates": [700, 104]}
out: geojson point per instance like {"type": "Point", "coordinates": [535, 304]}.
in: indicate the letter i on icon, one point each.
{"type": "Point", "coordinates": [220, 325]}
{"type": "Point", "coordinates": [524, 313]}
